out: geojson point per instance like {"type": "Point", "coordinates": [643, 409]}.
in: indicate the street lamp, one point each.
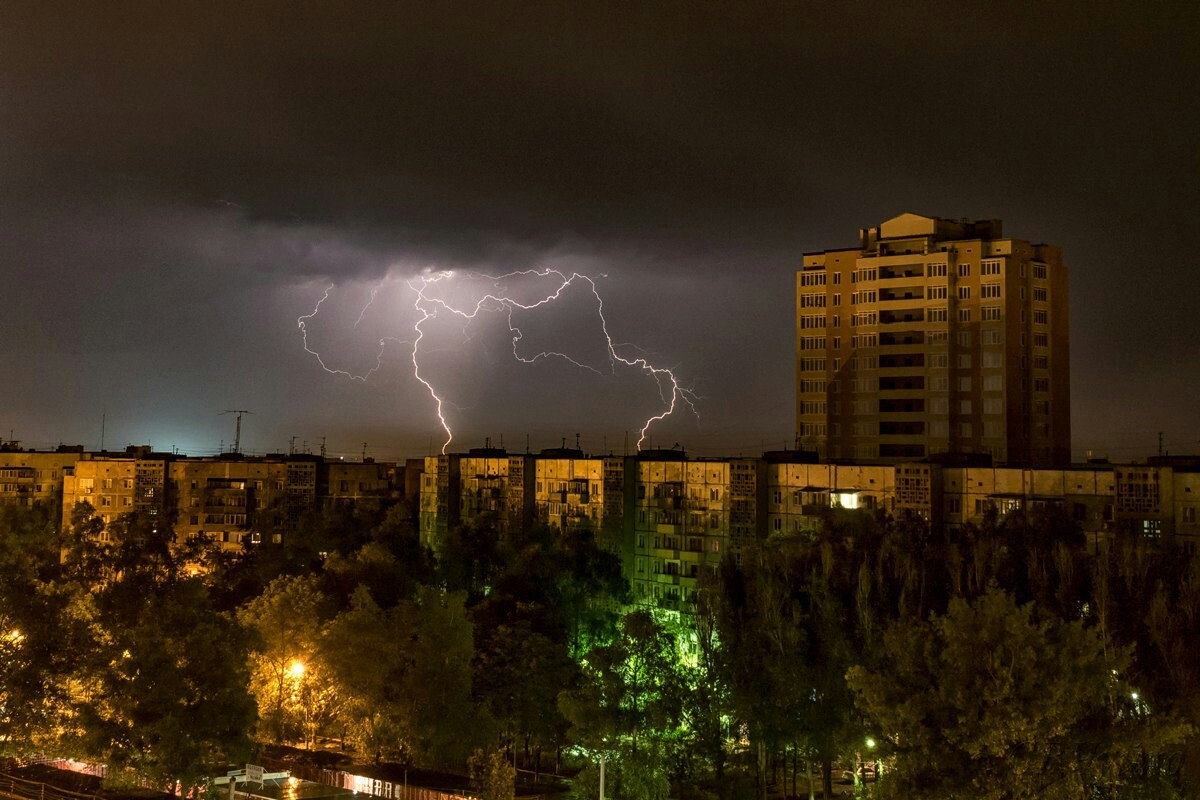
{"type": "Point", "coordinates": [296, 669]}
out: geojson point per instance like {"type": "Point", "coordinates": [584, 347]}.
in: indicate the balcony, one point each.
{"type": "Point", "coordinates": [899, 316]}
{"type": "Point", "coordinates": [902, 406]}
{"type": "Point", "coordinates": [907, 360]}
{"type": "Point", "coordinates": [901, 271]}
{"type": "Point", "coordinates": [902, 338]}
{"type": "Point", "coordinates": [903, 383]}
{"type": "Point", "coordinates": [906, 293]}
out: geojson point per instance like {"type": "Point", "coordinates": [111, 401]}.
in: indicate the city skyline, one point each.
{"type": "Point", "coordinates": [180, 188]}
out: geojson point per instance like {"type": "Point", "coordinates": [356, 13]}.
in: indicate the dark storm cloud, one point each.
{"type": "Point", "coordinates": [163, 160]}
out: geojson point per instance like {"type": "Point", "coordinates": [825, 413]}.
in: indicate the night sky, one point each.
{"type": "Point", "coordinates": [179, 184]}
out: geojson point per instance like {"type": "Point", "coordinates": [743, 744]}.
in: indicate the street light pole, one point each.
{"type": "Point", "coordinates": [601, 777]}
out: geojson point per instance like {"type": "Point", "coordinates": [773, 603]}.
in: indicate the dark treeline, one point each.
{"type": "Point", "coordinates": [1009, 660]}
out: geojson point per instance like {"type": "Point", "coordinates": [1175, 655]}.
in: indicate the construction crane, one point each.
{"type": "Point", "coordinates": [237, 441]}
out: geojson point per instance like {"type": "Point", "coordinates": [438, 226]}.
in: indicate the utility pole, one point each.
{"type": "Point", "coordinates": [364, 460]}
{"type": "Point", "coordinates": [292, 446]}
{"type": "Point", "coordinates": [237, 442]}
{"type": "Point", "coordinates": [322, 447]}
{"type": "Point", "coordinates": [1160, 433]}
{"type": "Point", "coordinates": [103, 420]}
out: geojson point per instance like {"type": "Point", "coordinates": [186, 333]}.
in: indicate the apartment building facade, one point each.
{"type": "Point", "coordinates": [934, 336]}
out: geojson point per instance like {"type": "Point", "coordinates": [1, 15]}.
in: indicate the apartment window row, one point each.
{"type": "Point", "coordinates": [937, 270]}
{"type": "Point", "coordinates": [812, 407]}
{"type": "Point", "coordinates": [938, 337]}
{"type": "Point", "coordinates": [1041, 340]}
{"type": "Point", "coordinates": [992, 336]}
{"type": "Point", "coordinates": [812, 428]}
{"type": "Point", "coordinates": [812, 279]}
{"type": "Point", "coordinates": [809, 387]}
{"type": "Point", "coordinates": [867, 405]}
{"type": "Point", "coordinates": [864, 340]}
{"type": "Point", "coordinates": [1040, 294]}
{"type": "Point", "coordinates": [866, 318]}
{"type": "Point", "coordinates": [964, 315]}
{"type": "Point", "coordinates": [812, 300]}
{"type": "Point", "coordinates": [809, 322]}
{"type": "Point", "coordinates": [865, 362]}
{"type": "Point", "coordinates": [1039, 271]}
{"type": "Point", "coordinates": [1041, 362]}
{"type": "Point", "coordinates": [989, 267]}
{"type": "Point", "coordinates": [812, 343]}
{"type": "Point", "coordinates": [1041, 384]}
{"type": "Point", "coordinates": [865, 296]}
{"type": "Point", "coordinates": [865, 274]}
{"type": "Point", "coordinates": [936, 292]}
{"type": "Point", "coordinates": [941, 314]}
{"type": "Point", "coordinates": [989, 291]}
{"type": "Point", "coordinates": [1041, 317]}
{"type": "Point", "coordinates": [993, 383]}
{"type": "Point", "coordinates": [812, 365]}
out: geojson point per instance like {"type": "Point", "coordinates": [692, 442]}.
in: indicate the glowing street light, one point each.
{"type": "Point", "coordinates": [296, 669]}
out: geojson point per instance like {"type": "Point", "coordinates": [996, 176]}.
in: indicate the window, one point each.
{"type": "Point", "coordinates": [865, 296]}
{"type": "Point", "coordinates": [866, 318]}
{"type": "Point", "coordinates": [937, 337]}
{"type": "Point", "coordinates": [964, 270]}
{"type": "Point", "coordinates": [992, 429]}
{"type": "Point", "coordinates": [1041, 340]}
{"type": "Point", "coordinates": [990, 313]}
{"type": "Point", "coordinates": [1039, 271]}
{"type": "Point", "coordinates": [936, 293]}
{"type": "Point", "coordinates": [993, 383]}
{"type": "Point", "coordinates": [809, 387]}
{"type": "Point", "coordinates": [938, 314]}
{"type": "Point", "coordinates": [940, 383]}
{"type": "Point", "coordinates": [965, 429]}
{"type": "Point", "coordinates": [964, 293]}
{"type": "Point", "coordinates": [812, 365]}
{"type": "Point", "coordinates": [989, 268]}
{"type": "Point", "coordinates": [812, 300]}
{"type": "Point", "coordinates": [1040, 316]}
{"type": "Point", "coordinates": [992, 359]}
{"type": "Point", "coordinates": [964, 315]}
{"type": "Point", "coordinates": [837, 299]}
{"type": "Point", "coordinates": [808, 322]}
{"type": "Point", "coordinates": [837, 342]}
{"type": "Point", "coordinates": [939, 360]}
{"type": "Point", "coordinates": [991, 336]}
{"type": "Point", "coordinates": [964, 338]}
{"type": "Point", "coordinates": [837, 278]}
{"type": "Point", "coordinates": [964, 361]}
{"type": "Point", "coordinates": [1041, 362]}
{"type": "Point", "coordinates": [812, 279]}
{"type": "Point", "coordinates": [1189, 515]}
{"type": "Point", "coordinates": [939, 405]}
{"type": "Point", "coordinates": [964, 385]}
{"type": "Point", "coordinates": [993, 405]}
{"type": "Point", "coordinates": [1039, 294]}
{"type": "Point", "coordinates": [989, 290]}
{"type": "Point", "coordinates": [939, 429]}
{"type": "Point", "coordinates": [1041, 384]}
{"type": "Point", "coordinates": [937, 270]}
{"type": "Point", "coordinates": [955, 505]}
{"type": "Point", "coordinates": [812, 343]}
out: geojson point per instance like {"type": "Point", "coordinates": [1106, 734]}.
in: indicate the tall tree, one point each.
{"type": "Point", "coordinates": [991, 702]}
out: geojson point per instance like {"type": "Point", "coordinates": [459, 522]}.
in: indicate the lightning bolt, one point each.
{"type": "Point", "coordinates": [428, 306]}
{"type": "Point", "coordinates": [301, 323]}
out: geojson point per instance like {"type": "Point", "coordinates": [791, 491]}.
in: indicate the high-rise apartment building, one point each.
{"type": "Point", "coordinates": [934, 336]}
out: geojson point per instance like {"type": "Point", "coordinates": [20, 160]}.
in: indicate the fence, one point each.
{"type": "Point", "coordinates": [12, 786]}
